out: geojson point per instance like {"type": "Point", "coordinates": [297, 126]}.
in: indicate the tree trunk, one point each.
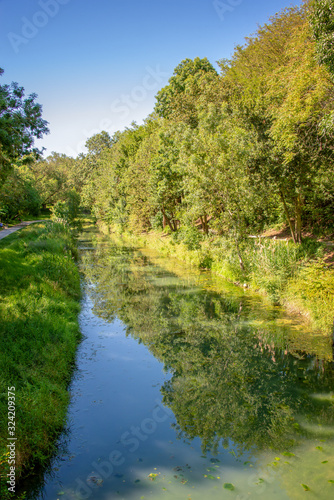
{"type": "Point", "coordinates": [235, 237]}
{"type": "Point", "coordinates": [298, 221]}
{"type": "Point", "coordinates": [202, 222]}
{"type": "Point", "coordinates": [206, 226]}
{"type": "Point", "coordinates": [167, 219]}
{"type": "Point", "coordinates": [286, 211]}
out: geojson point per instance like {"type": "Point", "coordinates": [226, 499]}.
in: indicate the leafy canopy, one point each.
{"type": "Point", "coordinates": [20, 122]}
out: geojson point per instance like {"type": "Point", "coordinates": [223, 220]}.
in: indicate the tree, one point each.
{"type": "Point", "coordinates": [54, 176]}
{"type": "Point", "coordinates": [275, 85]}
{"type": "Point", "coordinates": [20, 122]}
{"type": "Point", "coordinates": [322, 21]}
{"type": "Point", "coordinates": [165, 178]}
{"type": "Point", "coordinates": [177, 101]}
{"type": "Point", "coordinates": [90, 165]}
{"type": "Point", "coordinates": [98, 142]}
{"type": "Point", "coordinates": [140, 199]}
{"type": "Point", "coordinates": [216, 179]}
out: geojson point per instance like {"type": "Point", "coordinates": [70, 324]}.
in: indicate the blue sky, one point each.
{"type": "Point", "coordinates": [97, 64]}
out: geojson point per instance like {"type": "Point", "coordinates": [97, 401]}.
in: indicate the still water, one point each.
{"type": "Point", "coordinates": [189, 388]}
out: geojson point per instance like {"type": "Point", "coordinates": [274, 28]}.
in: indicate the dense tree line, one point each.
{"type": "Point", "coordinates": [230, 152]}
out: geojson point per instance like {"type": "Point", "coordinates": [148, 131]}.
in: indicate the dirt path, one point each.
{"type": "Point", "coordinates": [7, 232]}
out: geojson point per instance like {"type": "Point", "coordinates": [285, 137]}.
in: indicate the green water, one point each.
{"type": "Point", "coordinates": [190, 388]}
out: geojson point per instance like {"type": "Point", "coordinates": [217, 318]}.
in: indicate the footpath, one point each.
{"type": "Point", "coordinates": [7, 232]}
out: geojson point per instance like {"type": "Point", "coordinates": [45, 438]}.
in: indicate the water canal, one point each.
{"type": "Point", "coordinates": [189, 388]}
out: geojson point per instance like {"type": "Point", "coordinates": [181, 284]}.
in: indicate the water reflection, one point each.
{"type": "Point", "coordinates": [234, 377]}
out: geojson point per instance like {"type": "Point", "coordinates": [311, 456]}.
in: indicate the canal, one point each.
{"type": "Point", "coordinates": [190, 388]}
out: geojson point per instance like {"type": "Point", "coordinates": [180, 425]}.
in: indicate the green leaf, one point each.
{"type": "Point", "coordinates": [331, 481]}
{"type": "Point", "coordinates": [325, 462]}
{"type": "Point", "coordinates": [319, 448]}
{"type": "Point", "coordinates": [288, 454]}
{"type": "Point", "coordinates": [306, 488]}
{"type": "Point", "coordinates": [229, 486]}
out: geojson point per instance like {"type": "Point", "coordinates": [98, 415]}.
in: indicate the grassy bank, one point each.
{"type": "Point", "coordinates": [39, 333]}
{"type": "Point", "coordinates": [295, 276]}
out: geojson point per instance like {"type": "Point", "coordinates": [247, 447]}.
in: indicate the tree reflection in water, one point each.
{"type": "Point", "coordinates": [231, 380]}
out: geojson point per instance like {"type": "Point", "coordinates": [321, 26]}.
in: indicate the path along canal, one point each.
{"type": "Point", "coordinates": [189, 388]}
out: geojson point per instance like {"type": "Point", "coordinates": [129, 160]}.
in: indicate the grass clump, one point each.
{"type": "Point", "coordinates": [39, 333]}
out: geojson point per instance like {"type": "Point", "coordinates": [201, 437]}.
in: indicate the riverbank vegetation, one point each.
{"type": "Point", "coordinates": [295, 276]}
{"type": "Point", "coordinates": [228, 152]}
{"type": "Point", "coordinates": [39, 333]}
{"type": "Point", "coordinates": [229, 378]}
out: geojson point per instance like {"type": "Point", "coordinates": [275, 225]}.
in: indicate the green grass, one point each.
{"type": "Point", "coordinates": [39, 333]}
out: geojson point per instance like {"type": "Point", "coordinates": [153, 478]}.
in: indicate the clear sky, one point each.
{"type": "Point", "coordinates": [97, 64]}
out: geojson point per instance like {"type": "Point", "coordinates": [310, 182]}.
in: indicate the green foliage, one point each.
{"type": "Point", "coordinates": [227, 383]}
{"type": "Point", "coordinates": [67, 211]}
{"type": "Point", "coordinates": [287, 273]}
{"type": "Point", "coordinates": [20, 122]}
{"type": "Point", "coordinates": [229, 486]}
{"type": "Point", "coordinates": [39, 332]}
{"type": "Point", "coordinates": [177, 101]}
{"type": "Point", "coordinates": [54, 176]}
{"type": "Point", "coordinates": [322, 21]}
{"type": "Point", "coordinates": [312, 290]}
{"type": "Point", "coordinates": [98, 143]}
{"type": "Point", "coordinates": [18, 196]}
{"type": "Point", "coordinates": [230, 153]}
{"type": "Point", "coordinates": [157, 221]}
{"type": "Point", "coordinates": [190, 236]}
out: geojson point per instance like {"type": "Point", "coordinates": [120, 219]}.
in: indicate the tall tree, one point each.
{"type": "Point", "coordinates": [20, 123]}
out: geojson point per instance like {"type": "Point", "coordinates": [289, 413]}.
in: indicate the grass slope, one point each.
{"type": "Point", "coordinates": [39, 333]}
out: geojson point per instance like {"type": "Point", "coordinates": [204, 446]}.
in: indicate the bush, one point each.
{"type": "Point", "coordinates": [190, 236]}
{"type": "Point", "coordinates": [18, 197]}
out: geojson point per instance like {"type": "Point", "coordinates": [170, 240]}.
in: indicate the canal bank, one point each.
{"type": "Point", "coordinates": [187, 388]}
{"type": "Point", "coordinates": [39, 334]}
